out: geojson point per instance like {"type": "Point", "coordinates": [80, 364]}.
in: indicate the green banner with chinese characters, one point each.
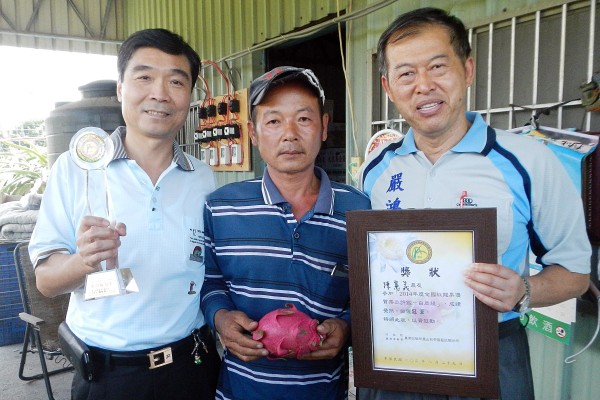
{"type": "Point", "coordinates": [547, 326]}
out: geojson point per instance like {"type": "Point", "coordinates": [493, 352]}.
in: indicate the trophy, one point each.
{"type": "Point", "coordinates": [92, 149]}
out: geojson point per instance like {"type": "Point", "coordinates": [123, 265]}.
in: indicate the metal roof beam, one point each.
{"type": "Point", "coordinates": [8, 21]}
{"type": "Point", "coordinates": [34, 15]}
{"type": "Point", "coordinates": [81, 18]}
{"type": "Point", "coordinates": [105, 19]}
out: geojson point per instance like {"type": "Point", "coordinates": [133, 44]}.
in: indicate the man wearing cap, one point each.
{"type": "Point", "coordinates": [277, 240]}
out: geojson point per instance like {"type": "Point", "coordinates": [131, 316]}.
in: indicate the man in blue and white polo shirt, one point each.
{"type": "Point", "coordinates": [281, 239]}
{"type": "Point", "coordinates": [450, 158]}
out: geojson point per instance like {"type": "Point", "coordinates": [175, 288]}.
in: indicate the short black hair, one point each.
{"type": "Point", "coordinates": [407, 23]}
{"type": "Point", "coordinates": [161, 39]}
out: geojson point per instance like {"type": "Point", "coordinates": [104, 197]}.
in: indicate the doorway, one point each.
{"type": "Point", "coordinates": [322, 55]}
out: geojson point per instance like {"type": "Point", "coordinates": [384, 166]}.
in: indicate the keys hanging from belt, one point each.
{"type": "Point", "coordinates": [198, 343]}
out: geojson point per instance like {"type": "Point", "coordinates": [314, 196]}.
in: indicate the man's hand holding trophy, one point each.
{"type": "Point", "coordinates": [92, 149]}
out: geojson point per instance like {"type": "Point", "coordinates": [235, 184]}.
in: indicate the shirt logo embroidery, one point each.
{"type": "Point", "coordinates": [395, 183]}
{"type": "Point", "coordinates": [393, 204]}
{"type": "Point", "coordinates": [465, 201]}
{"type": "Point", "coordinates": [197, 254]}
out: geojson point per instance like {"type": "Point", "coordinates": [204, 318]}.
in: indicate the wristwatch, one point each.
{"type": "Point", "coordinates": [522, 305]}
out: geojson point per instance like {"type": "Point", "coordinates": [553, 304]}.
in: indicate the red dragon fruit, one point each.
{"type": "Point", "coordinates": [287, 332]}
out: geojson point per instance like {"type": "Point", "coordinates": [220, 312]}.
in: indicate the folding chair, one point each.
{"type": "Point", "coordinates": [42, 315]}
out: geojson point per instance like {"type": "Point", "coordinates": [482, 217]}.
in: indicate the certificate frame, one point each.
{"type": "Point", "coordinates": [482, 381]}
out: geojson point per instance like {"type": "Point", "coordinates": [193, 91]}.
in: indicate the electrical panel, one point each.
{"type": "Point", "coordinates": [222, 131]}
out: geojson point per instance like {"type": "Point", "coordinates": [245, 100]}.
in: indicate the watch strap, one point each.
{"type": "Point", "coordinates": [522, 305]}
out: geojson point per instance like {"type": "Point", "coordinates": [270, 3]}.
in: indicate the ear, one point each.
{"type": "Point", "coordinates": [469, 71]}
{"type": "Point", "coordinates": [386, 87]}
{"type": "Point", "coordinates": [119, 84]}
{"type": "Point", "coordinates": [325, 122]}
{"type": "Point", "coordinates": [252, 133]}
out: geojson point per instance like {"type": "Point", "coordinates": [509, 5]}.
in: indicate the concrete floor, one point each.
{"type": "Point", "coordinates": [13, 388]}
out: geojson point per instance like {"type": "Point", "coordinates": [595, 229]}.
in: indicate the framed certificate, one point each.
{"type": "Point", "coordinates": [416, 326]}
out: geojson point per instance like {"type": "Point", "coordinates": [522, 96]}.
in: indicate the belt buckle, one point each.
{"type": "Point", "coordinates": [160, 358]}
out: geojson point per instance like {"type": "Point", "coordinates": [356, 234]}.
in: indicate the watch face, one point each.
{"type": "Point", "coordinates": [524, 306]}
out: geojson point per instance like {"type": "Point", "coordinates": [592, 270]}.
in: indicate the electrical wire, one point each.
{"type": "Point", "coordinates": [207, 89]}
{"type": "Point", "coordinates": [230, 72]}
{"type": "Point", "coordinates": [596, 293]}
{"type": "Point", "coordinates": [308, 31]}
{"type": "Point", "coordinates": [201, 124]}
{"type": "Point", "coordinates": [346, 80]}
{"type": "Point", "coordinates": [216, 66]}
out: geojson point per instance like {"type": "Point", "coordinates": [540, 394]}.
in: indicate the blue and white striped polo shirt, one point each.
{"type": "Point", "coordinates": [258, 258]}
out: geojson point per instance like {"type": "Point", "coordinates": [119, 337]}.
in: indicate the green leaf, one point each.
{"type": "Point", "coordinates": [23, 165]}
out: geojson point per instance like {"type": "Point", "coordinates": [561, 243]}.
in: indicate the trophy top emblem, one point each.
{"type": "Point", "coordinates": [91, 148]}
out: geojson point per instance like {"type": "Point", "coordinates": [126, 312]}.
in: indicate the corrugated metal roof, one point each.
{"type": "Point", "coordinates": [87, 26]}
{"type": "Point", "coordinates": [217, 28]}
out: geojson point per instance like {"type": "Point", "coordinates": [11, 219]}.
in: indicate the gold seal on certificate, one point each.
{"type": "Point", "coordinates": [92, 149]}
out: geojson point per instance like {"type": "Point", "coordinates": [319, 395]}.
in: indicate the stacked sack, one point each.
{"type": "Point", "coordinates": [18, 218]}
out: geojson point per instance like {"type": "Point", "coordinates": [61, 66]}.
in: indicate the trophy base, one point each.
{"type": "Point", "coordinates": [113, 282]}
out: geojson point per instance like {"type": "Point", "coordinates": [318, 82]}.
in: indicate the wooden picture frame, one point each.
{"type": "Point", "coordinates": [416, 327]}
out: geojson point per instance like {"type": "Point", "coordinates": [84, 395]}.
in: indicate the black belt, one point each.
{"type": "Point", "coordinates": [152, 358]}
{"type": "Point", "coordinates": [509, 327]}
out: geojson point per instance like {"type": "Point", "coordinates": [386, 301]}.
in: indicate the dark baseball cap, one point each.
{"type": "Point", "coordinates": [261, 85]}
